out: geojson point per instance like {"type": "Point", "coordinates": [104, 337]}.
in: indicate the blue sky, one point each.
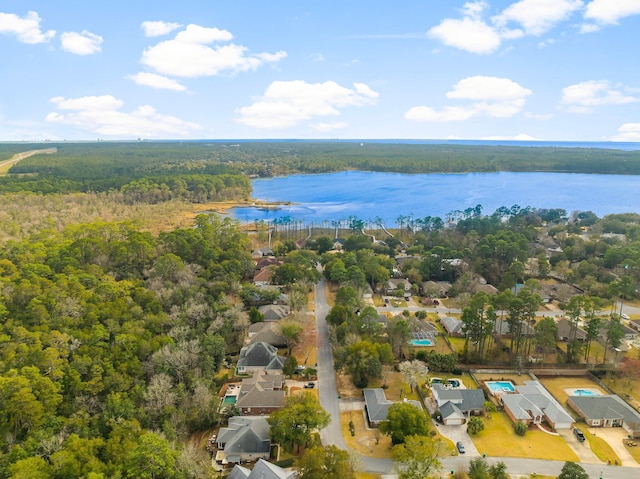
{"type": "Point", "coordinates": [423, 69]}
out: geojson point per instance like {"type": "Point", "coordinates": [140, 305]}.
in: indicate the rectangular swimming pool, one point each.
{"type": "Point", "coordinates": [500, 387]}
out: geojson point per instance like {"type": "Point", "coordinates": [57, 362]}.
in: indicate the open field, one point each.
{"type": "Point", "coordinates": [498, 439]}
{"type": "Point", "coordinates": [369, 442]}
{"type": "Point", "coordinates": [7, 164]}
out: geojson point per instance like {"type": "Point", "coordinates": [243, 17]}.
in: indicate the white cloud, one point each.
{"type": "Point", "coordinates": [317, 57]}
{"type": "Point", "coordinates": [608, 12]}
{"type": "Point", "coordinates": [469, 34]}
{"type": "Point", "coordinates": [156, 81]}
{"type": "Point", "coordinates": [101, 115]}
{"type": "Point", "coordinates": [488, 88]}
{"type": "Point", "coordinates": [539, 116]}
{"type": "Point", "coordinates": [158, 28]}
{"type": "Point", "coordinates": [490, 96]}
{"type": "Point", "coordinates": [189, 54]}
{"type": "Point", "coordinates": [26, 29]}
{"type": "Point", "coordinates": [628, 132]}
{"type": "Point", "coordinates": [326, 127]}
{"type": "Point", "coordinates": [582, 97]}
{"type": "Point", "coordinates": [84, 43]}
{"type": "Point", "coordinates": [287, 103]}
{"type": "Point", "coordinates": [537, 16]}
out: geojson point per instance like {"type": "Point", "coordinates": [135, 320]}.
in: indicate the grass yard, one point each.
{"type": "Point", "coordinates": [626, 388]}
{"type": "Point", "coordinates": [635, 452]}
{"type": "Point", "coordinates": [396, 388]}
{"type": "Point", "coordinates": [599, 446]}
{"type": "Point", "coordinates": [306, 351]}
{"type": "Point", "coordinates": [498, 439]}
{"type": "Point", "coordinates": [557, 386]}
{"type": "Point", "coordinates": [368, 442]}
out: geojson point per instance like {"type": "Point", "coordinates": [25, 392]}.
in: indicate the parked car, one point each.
{"type": "Point", "coordinates": [309, 385]}
{"type": "Point", "coordinates": [460, 447]}
{"type": "Point", "coordinates": [579, 434]}
{"type": "Point", "coordinates": [624, 316]}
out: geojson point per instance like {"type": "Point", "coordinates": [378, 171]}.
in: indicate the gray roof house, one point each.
{"type": "Point", "coordinates": [377, 405]}
{"type": "Point", "coordinates": [244, 439]}
{"type": "Point", "coordinates": [261, 394]}
{"type": "Point", "coordinates": [456, 405]}
{"type": "Point", "coordinates": [262, 470]}
{"type": "Point", "coordinates": [564, 330]}
{"type": "Point", "coordinates": [532, 403]}
{"type": "Point", "coordinates": [274, 312]}
{"type": "Point", "coordinates": [452, 326]}
{"type": "Point", "coordinates": [259, 356]}
{"type": "Point", "coordinates": [267, 333]}
{"type": "Point", "coordinates": [606, 411]}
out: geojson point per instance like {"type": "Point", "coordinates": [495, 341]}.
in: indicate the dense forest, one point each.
{"type": "Point", "coordinates": [111, 340]}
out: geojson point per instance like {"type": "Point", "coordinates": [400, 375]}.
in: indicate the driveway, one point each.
{"type": "Point", "coordinates": [614, 437]}
{"type": "Point", "coordinates": [458, 433]}
{"type": "Point", "coordinates": [582, 449]}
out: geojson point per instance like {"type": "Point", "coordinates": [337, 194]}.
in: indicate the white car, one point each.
{"type": "Point", "coordinates": [624, 316]}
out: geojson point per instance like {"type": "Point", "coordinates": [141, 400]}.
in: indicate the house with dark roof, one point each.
{"type": "Point", "coordinates": [377, 405]}
{"type": "Point", "coordinates": [606, 411]}
{"type": "Point", "coordinates": [266, 332]}
{"type": "Point", "coordinates": [436, 289]}
{"type": "Point", "coordinates": [456, 405]}
{"type": "Point", "coordinates": [262, 277]}
{"type": "Point", "coordinates": [453, 326]}
{"type": "Point", "coordinates": [260, 356]}
{"type": "Point", "coordinates": [533, 404]}
{"type": "Point", "coordinates": [564, 331]}
{"type": "Point", "coordinates": [274, 312]}
{"type": "Point", "coordinates": [245, 439]}
{"type": "Point", "coordinates": [262, 394]}
{"type": "Point", "coordinates": [262, 470]}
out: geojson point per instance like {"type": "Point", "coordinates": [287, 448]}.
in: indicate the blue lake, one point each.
{"type": "Point", "coordinates": [367, 195]}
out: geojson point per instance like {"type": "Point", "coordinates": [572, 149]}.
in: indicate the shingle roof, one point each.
{"type": "Point", "coordinates": [260, 354]}
{"type": "Point", "coordinates": [452, 325]}
{"type": "Point", "coordinates": [245, 435]}
{"type": "Point", "coordinates": [607, 407]}
{"type": "Point", "coordinates": [262, 470]}
{"type": "Point", "coordinates": [535, 398]}
{"type": "Point", "coordinates": [450, 410]}
{"type": "Point", "coordinates": [378, 404]}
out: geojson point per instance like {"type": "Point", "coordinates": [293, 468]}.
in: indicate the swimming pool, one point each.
{"type": "Point", "coordinates": [500, 387]}
{"type": "Point", "coordinates": [422, 342]}
{"type": "Point", "coordinates": [229, 400]}
{"type": "Point", "coordinates": [585, 392]}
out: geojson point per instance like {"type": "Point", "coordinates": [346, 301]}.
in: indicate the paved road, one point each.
{"type": "Point", "coordinates": [332, 434]}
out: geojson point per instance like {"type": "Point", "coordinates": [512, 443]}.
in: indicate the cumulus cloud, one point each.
{"type": "Point", "coordinates": [287, 103]}
{"type": "Point", "coordinates": [84, 43]}
{"type": "Point", "coordinates": [158, 28]}
{"type": "Point", "coordinates": [190, 54]}
{"type": "Point", "coordinates": [157, 81]}
{"type": "Point", "coordinates": [26, 29]}
{"type": "Point", "coordinates": [469, 34]}
{"type": "Point", "coordinates": [628, 132]}
{"type": "Point", "coordinates": [489, 96]}
{"type": "Point", "coordinates": [102, 115]}
{"type": "Point", "coordinates": [474, 34]}
{"type": "Point", "coordinates": [582, 97]}
{"type": "Point", "coordinates": [537, 16]}
{"type": "Point", "coordinates": [608, 12]}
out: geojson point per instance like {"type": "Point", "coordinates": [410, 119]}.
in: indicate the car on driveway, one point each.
{"type": "Point", "coordinates": [460, 447]}
{"type": "Point", "coordinates": [579, 434]}
{"type": "Point", "coordinates": [309, 385]}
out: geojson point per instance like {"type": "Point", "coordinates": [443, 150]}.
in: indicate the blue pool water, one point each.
{"type": "Point", "coordinates": [422, 342]}
{"type": "Point", "coordinates": [584, 392]}
{"type": "Point", "coordinates": [500, 387]}
{"type": "Point", "coordinates": [229, 400]}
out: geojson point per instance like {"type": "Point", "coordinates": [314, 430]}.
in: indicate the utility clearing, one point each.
{"type": "Point", "coordinates": [5, 165]}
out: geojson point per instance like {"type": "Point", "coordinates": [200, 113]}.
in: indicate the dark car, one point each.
{"type": "Point", "coordinates": [579, 434]}
{"type": "Point", "coordinates": [460, 447]}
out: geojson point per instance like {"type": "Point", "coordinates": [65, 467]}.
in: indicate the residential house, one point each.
{"type": "Point", "coordinates": [394, 284]}
{"type": "Point", "coordinates": [260, 356]}
{"type": "Point", "coordinates": [266, 332]}
{"type": "Point", "coordinates": [436, 289]}
{"type": "Point", "coordinates": [453, 326]}
{"type": "Point", "coordinates": [262, 470]}
{"type": "Point", "coordinates": [629, 334]}
{"type": "Point", "coordinates": [274, 312]}
{"type": "Point", "coordinates": [564, 331]}
{"type": "Point", "coordinates": [262, 394]}
{"type": "Point", "coordinates": [245, 439]}
{"type": "Point", "coordinates": [606, 411]}
{"type": "Point", "coordinates": [262, 252]}
{"type": "Point", "coordinates": [377, 405]}
{"type": "Point", "coordinates": [456, 405]}
{"type": "Point", "coordinates": [533, 404]}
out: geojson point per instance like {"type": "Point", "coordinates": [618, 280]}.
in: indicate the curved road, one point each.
{"type": "Point", "coordinates": [332, 434]}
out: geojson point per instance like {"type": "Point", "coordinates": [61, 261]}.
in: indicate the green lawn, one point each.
{"type": "Point", "coordinates": [498, 439]}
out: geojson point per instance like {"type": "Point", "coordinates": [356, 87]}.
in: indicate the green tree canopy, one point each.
{"type": "Point", "coordinates": [403, 420]}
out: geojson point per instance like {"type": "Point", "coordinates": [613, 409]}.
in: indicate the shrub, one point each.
{"type": "Point", "coordinates": [520, 428]}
